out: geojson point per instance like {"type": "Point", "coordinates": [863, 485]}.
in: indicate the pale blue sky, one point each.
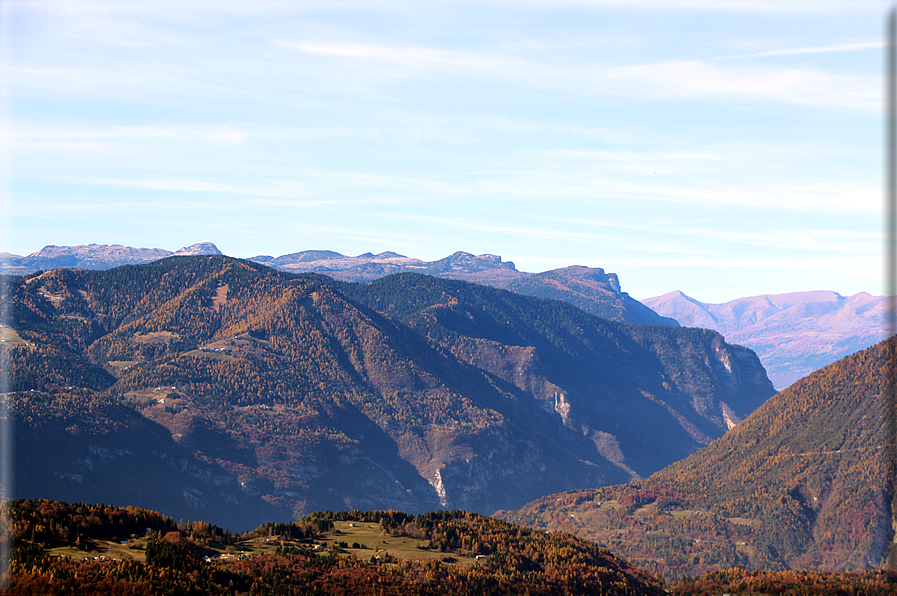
{"type": "Point", "coordinates": [722, 148]}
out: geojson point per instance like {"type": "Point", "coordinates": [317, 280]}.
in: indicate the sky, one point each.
{"type": "Point", "coordinates": [724, 149]}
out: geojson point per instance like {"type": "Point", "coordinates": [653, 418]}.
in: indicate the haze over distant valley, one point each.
{"type": "Point", "coordinates": [793, 334]}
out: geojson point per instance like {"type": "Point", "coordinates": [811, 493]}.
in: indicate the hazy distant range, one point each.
{"type": "Point", "coordinates": [793, 334]}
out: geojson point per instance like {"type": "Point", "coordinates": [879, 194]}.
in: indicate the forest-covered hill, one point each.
{"type": "Point", "coordinates": [214, 388]}
{"type": "Point", "coordinates": [100, 549]}
{"type": "Point", "coordinates": [62, 548]}
{"type": "Point", "coordinates": [805, 482]}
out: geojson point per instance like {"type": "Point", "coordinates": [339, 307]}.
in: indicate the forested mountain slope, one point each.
{"type": "Point", "coordinates": [630, 389]}
{"type": "Point", "coordinates": [805, 482]}
{"type": "Point", "coordinates": [280, 394]}
{"type": "Point", "coordinates": [68, 548]}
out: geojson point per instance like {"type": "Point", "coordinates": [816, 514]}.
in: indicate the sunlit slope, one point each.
{"type": "Point", "coordinates": [804, 482]}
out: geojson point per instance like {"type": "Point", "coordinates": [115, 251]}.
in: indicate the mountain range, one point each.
{"type": "Point", "coordinates": [210, 387]}
{"type": "Point", "coordinates": [590, 289]}
{"type": "Point", "coordinates": [93, 256]}
{"type": "Point", "coordinates": [217, 388]}
{"type": "Point", "coordinates": [793, 334]}
{"type": "Point", "coordinates": [805, 482]}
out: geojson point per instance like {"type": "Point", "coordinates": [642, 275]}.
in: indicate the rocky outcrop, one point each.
{"type": "Point", "coordinates": [201, 248]}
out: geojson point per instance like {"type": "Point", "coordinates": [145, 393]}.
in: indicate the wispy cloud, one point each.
{"type": "Point", "coordinates": [454, 124]}
{"type": "Point", "coordinates": [541, 231]}
{"type": "Point", "coordinates": [412, 57]}
{"type": "Point", "coordinates": [316, 188]}
{"type": "Point", "coordinates": [847, 47]}
{"type": "Point", "coordinates": [242, 7]}
{"type": "Point", "coordinates": [833, 241]}
{"type": "Point", "coordinates": [825, 263]}
{"type": "Point", "coordinates": [697, 80]}
{"type": "Point", "coordinates": [21, 137]}
{"type": "Point", "coordinates": [594, 186]}
{"type": "Point", "coordinates": [713, 6]}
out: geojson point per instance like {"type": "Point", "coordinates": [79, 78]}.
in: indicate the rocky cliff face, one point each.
{"type": "Point", "coordinates": [201, 248]}
{"type": "Point", "coordinates": [593, 377]}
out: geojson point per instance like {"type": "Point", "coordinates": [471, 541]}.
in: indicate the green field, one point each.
{"type": "Point", "coordinates": [400, 547]}
{"type": "Point", "coordinates": [112, 550]}
{"type": "Point", "coordinates": [374, 543]}
{"type": "Point", "coordinates": [122, 364]}
{"type": "Point", "coordinates": [8, 334]}
{"type": "Point", "coordinates": [212, 355]}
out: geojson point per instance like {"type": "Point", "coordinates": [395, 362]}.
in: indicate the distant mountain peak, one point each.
{"type": "Point", "coordinates": [98, 252]}
{"type": "Point", "coordinates": [589, 288]}
{"type": "Point", "coordinates": [379, 257]}
{"type": "Point", "coordinates": [476, 262]}
{"type": "Point", "coordinates": [200, 248]}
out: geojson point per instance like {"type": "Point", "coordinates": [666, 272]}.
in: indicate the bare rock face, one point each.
{"type": "Point", "coordinates": [85, 256]}
{"type": "Point", "coordinates": [101, 252]}
{"type": "Point", "coordinates": [793, 334]}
